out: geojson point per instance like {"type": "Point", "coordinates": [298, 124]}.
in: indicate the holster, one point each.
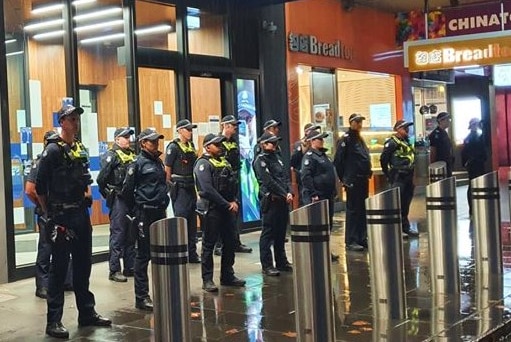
{"type": "Point", "coordinates": [110, 196]}
{"type": "Point", "coordinates": [203, 206]}
{"type": "Point", "coordinates": [173, 190]}
{"type": "Point", "coordinates": [265, 202]}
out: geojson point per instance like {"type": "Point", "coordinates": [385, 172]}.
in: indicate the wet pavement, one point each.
{"type": "Point", "coordinates": [265, 310]}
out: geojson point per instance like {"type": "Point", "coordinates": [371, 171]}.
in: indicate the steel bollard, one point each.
{"type": "Point", "coordinates": [486, 216]}
{"type": "Point", "coordinates": [169, 267]}
{"type": "Point", "coordinates": [443, 232]}
{"type": "Point", "coordinates": [310, 241]}
{"type": "Point", "coordinates": [437, 171]}
{"type": "Point", "coordinates": [386, 255]}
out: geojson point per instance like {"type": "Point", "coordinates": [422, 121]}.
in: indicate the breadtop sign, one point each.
{"type": "Point", "coordinates": [310, 44]}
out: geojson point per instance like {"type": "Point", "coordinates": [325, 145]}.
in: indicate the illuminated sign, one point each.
{"type": "Point", "coordinates": [313, 46]}
{"type": "Point", "coordinates": [447, 53]}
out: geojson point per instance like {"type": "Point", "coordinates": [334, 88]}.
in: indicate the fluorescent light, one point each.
{"type": "Point", "coordinates": [82, 2]}
{"type": "Point", "coordinates": [98, 14]}
{"type": "Point", "coordinates": [14, 53]}
{"type": "Point", "coordinates": [115, 36]}
{"type": "Point", "coordinates": [153, 29]}
{"type": "Point", "coordinates": [192, 22]}
{"type": "Point", "coordinates": [48, 8]}
{"type": "Point", "coordinates": [98, 26]}
{"type": "Point", "coordinates": [43, 24]}
{"type": "Point", "coordinates": [48, 35]}
{"type": "Point", "coordinates": [9, 41]}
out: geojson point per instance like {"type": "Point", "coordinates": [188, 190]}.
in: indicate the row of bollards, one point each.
{"type": "Point", "coordinates": [310, 238]}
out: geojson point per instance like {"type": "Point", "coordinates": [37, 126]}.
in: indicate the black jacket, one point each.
{"type": "Point", "coordinates": [352, 158]}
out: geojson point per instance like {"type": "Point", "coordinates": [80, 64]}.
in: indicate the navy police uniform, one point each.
{"type": "Point", "coordinates": [114, 164]}
{"type": "Point", "coordinates": [181, 157]}
{"type": "Point", "coordinates": [145, 189]}
{"type": "Point", "coordinates": [353, 166]}
{"type": "Point", "coordinates": [64, 178]}
{"type": "Point", "coordinates": [296, 163]}
{"type": "Point", "coordinates": [216, 187]}
{"type": "Point", "coordinates": [473, 158]}
{"type": "Point", "coordinates": [274, 186]}
{"type": "Point", "coordinates": [397, 162]}
{"type": "Point", "coordinates": [444, 152]}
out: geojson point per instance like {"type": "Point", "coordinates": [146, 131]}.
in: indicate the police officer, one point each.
{"type": "Point", "coordinates": [301, 147]}
{"type": "Point", "coordinates": [145, 190]}
{"type": "Point", "coordinates": [42, 264]}
{"type": "Point", "coordinates": [474, 155]}
{"type": "Point", "coordinates": [232, 155]}
{"type": "Point", "coordinates": [63, 191]}
{"type": "Point", "coordinates": [110, 179]}
{"type": "Point", "coordinates": [440, 143]}
{"type": "Point", "coordinates": [218, 207]}
{"type": "Point", "coordinates": [397, 162]}
{"type": "Point", "coordinates": [275, 195]}
{"type": "Point", "coordinates": [353, 166]}
{"type": "Point", "coordinates": [179, 160]}
{"type": "Point", "coordinates": [270, 126]}
{"type": "Point", "coordinates": [318, 175]}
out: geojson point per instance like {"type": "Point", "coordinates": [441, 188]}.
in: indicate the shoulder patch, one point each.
{"type": "Point", "coordinates": [45, 153]}
{"type": "Point", "coordinates": [108, 159]}
{"type": "Point", "coordinates": [263, 164]}
{"type": "Point", "coordinates": [201, 167]}
{"type": "Point", "coordinates": [343, 143]}
{"type": "Point", "coordinates": [387, 144]}
{"type": "Point", "coordinates": [299, 148]}
{"type": "Point", "coordinates": [309, 153]}
{"type": "Point", "coordinates": [306, 162]}
{"type": "Point", "coordinates": [131, 171]}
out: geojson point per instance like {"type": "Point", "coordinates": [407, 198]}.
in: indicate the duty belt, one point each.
{"type": "Point", "coordinates": [65, 206]}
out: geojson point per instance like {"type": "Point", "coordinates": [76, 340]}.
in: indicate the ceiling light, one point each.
{"type": "Point", "coordinates": [9, 41]}
{"type": "Point", "coordinates": [14, 53]}
{"type": "Point", "coordinates": [42, 24]}
{"type": "Point", "coordinates": [57, 7]}
{"type": "Point", "coordinates": [153, 29]}
{"type": "Point", "coordinates": [115, 36]}
{"type": "Point", "coordinates": [48, 35]}
{"type": "Point", "coordinates": [97, 14]}
{"type": "Point", "coordinates": [82, 2]}
{"type": "Point", "coordinates": [98, 26]}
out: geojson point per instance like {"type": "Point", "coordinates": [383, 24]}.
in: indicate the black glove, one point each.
{"type": "Point", "coordinates": [87, 201]}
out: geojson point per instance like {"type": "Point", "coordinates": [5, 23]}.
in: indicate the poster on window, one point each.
{"type": "Point", "coordinates": [247, 135]}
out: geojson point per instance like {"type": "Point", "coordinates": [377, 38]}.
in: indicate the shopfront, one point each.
{"type": "Point", "coordinates": [346, 66]}
{"type": "Point", "coordinates": [127, 63]}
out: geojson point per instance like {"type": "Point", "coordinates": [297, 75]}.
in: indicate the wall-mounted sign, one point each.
{"type": "Point", "coordinates": [446, 53]}
{"type": "Point", "coordinates": [311, 45]}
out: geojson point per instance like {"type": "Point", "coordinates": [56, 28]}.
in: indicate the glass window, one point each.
{"type": "Point", "coordinates": [37, 83]}
{"type": "Point", "coordinates": [156, 25]}
{"type": "Point", "coordinates": [206, 33]}
{"type": "Point", "coordinates": [463, 110]}
{"type": "Point", "coordinates": [103, 92]}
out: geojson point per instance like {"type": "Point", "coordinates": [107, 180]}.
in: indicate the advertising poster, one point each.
{"type": "Point", "coordinates": [247, 134]}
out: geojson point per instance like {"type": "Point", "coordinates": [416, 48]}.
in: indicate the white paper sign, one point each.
{"type": "Point", "coordinates": [380, 115]}
{"type": "Point", "coordinates": [167, 123]}
{"type": "Point", "coordinates": [158, 107]}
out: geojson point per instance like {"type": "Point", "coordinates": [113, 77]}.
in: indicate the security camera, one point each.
{"type": "Point", "coordinates": [269, 26]}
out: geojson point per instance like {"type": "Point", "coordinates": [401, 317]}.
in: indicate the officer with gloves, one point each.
{"type": "Point", "coordinates": [275, 194]}
{"type": "Point", "coordinates": [218, 208]}
{"type": "Point", "coordinates": [145, 191]}
{"type": "Point", "coordinates": [110, 179]}
{"type": "Point", "coordinates": [179, 160]}
{"type": "Point", "coordinates": [397, 163]}
{"type": "Point", "coordinates": [63, 191]}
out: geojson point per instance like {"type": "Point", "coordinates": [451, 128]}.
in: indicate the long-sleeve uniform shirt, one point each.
{"type": "Point", "coordinates": [271, 174]}
{"type": "Point", "coordinates": [318, 175]}
{"type": "Point", "coordinates": [352, 158]}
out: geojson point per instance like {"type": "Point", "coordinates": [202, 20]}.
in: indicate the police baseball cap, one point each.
{"type": "Point", "coordinates": [268, 137]}
{"type": "Point", "coordinates": [402, 124]}
{"type": "Point", "coordinates": [68, 110]}
{"type": "Point", "coordinates": [310, 127]}
{"type": "Point", "coordinates": [50, 135]}
{"type": "Point", "coordinates": [123, 132]}
{"type": "Point", "coordinates": [212, 139]}
{"type": "Point", "coordinates": [315, 134]}
{"type": "Point", "coordinates": [271, 123]}
{"type": "Point", "coordinates": [473, 121]}
{"type": "Point", "coordinates": [356, 117]}
{"type": "Point", "coordinates": [229, 119]}
{"type": "Point", "coordinates": [442, 116]}
{"type": "Point", "coordinates": [149, 134]}
{"type": "Point", "coordinates": [185, 124]}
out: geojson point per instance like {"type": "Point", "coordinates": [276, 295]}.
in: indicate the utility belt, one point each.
{"type": "Point", "coordinates": [276, 198]}
{"type": "Point", "coordinates": [58, 207]}
{"type": "Point", "coordinates": [183, 181]}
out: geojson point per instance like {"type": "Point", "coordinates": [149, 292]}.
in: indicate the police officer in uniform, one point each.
{"type": "Point", "coordinates": [270, 126]}
{"type": "Point", "coordinates": [301, 147]}
{"type": "Point", "coordinates": [63, 191]}
{"type": "Point", "coordinates": [275, 195]}
{"type": "Point", "coordinates": [318, 175]}
{"type": "Point", "coordinates": [110, 179]}
{"type": "Point", "coordinates": [179, 160]}
{"type": "Point", "coordinates": [145, 190]}
{"type": "Point", "coordinates": [353, 166]}
{"type": "Point", "coordinates": [43, 259]}
{"type": "Point", "coordinates": [218, 208]}
{"type": "Point", "coordinates": [474, 155]}
{"type": "Point", "coordinates": [440, 143]}
{"type": "Point", "coordinates": [232, 155]}
{"type": "Point", "coordinates": [397, 162]}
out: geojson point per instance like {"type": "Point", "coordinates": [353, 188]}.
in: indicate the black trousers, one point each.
{"type": "Point", "coordinates": [184, 205]}
{"type": "Point", "coordinates": [474, 170]}
{"type": "Point", "coordinates": [406, 187]}
{"type": "Point", "coordinates": [147, 217]}
{"type": "Point", "coordinates": [81, 249]}
{"type": "Point", "coordinates": [356, 223]}
{"type": "Point", "coordinates": [122, 246]}
{"type": "Point", "coordinates": [274, 233]}
{"type": "Point", "coordinates": [218, 223]}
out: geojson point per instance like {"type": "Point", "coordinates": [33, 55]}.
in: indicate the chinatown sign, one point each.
{"type": "Point", "coordinates": [447, 53]}
{"type": "Point", "coordinates": [311, 45]}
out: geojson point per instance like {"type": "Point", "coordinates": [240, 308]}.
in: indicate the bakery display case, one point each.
{"type": "Point", "coordinates": [375, 139]}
